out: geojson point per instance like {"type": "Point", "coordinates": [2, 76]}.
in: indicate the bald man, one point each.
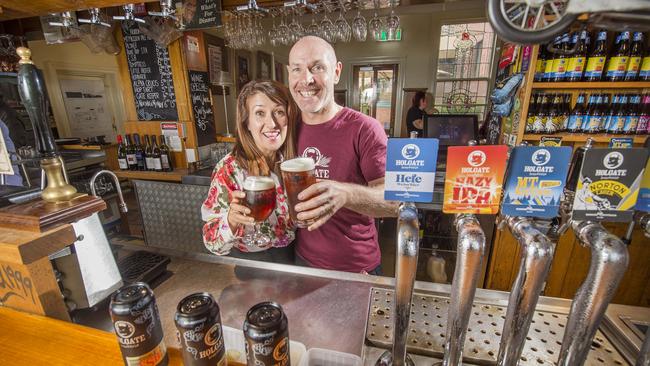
{"type": "Point", "coordinates": [349, 149]}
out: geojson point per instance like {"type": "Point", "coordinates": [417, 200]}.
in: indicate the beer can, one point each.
{"type": "Point", "coordinates": [137, 324]}
{"type": "Point", "coordinates": [198, 322]}
{"type": "Point", "coordinates": [266, 330]}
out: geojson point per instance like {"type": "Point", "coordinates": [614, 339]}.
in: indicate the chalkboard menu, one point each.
{"type": "Point", "coordinates": [151, 76]}
{"type": "Point", "coordinates": [202, 107]}
{"type": "Point", "coordinates": [199, 14]}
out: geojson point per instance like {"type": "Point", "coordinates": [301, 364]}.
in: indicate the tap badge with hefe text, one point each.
{"type": "Point", "coordinates": [474, 179]}
{"type": "Point", "coordinates": [609, 184]}
{"type": "Point", "coordinates": [410, 169]}
{"type": "Point", "coordinates": [535, 181]}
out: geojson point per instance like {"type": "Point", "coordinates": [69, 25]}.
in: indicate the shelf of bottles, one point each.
{"type": "Point", "coordinates": [150, 156]}
{"type": "Point", "coordinates": [592, 92]}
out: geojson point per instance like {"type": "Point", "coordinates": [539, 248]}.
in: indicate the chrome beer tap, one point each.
{"type": "Point", "coordinates": [408, 240]}
{"type": "Point", "coordinates": [609, 261]}
{"type": "Point", "coordinates": [469, 258]}
{"type": "Point", "coordinates": [116, 180]}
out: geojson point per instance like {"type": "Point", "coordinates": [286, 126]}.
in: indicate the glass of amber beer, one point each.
{"type": "Point", "coordinates": [297, 175]}
{"type": "Point", "coordinates": [260, 199]}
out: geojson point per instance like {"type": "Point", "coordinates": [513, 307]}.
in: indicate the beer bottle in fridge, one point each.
{"type": "Point", "coordinates": [644, 71]}
{"type": "Point", "coordinates": [165, 156]}
{"type": "Point", "coordinates": [550, 59]}
{"type": "Point", "coordinates": [553, 119]}
{"type": "Point", "coordinates": [155, 155]}
{"type": "Point", "coordinates": [618, 60]}
{"type": "Point", "coordinates": [632, 114]}
{"type": "Point", "coordinates": [636, 54]}
{"type": "Point", "coordinates": [577, 115]}
{"type": "Point", "coordinates": [604, 107]}
{"type": "Point", "coordinates": [540, 119]}
{"type": "Point", "coordinates": [566, 110]}
{"type": "Point", "coordinates": [576, 65]}
{"type": "Point", "coordinates": [644, 119]}
{"type": "Point", "coordinates": [130, 154]}
{"type": "Point", "coordinates": [540, 64]}
{"type": "Point", "coordinates": [596, 60]}
{"type": "Point", "coordinates": [618, 115]}
{"type": "Point", "coordinates": [595, 115]}
{"type": "Point", "coordinates": [121, 154]}
{"type": "Point", "coordinates": [609, 115]}
{"type": "Point", "coordinates": [560, 60]}
{"type": "Point", "coordinates": [532, 111]}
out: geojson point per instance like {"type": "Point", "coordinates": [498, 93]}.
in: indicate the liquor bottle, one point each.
{"type": "Point", "coordinates": [165, 157]}
{"type": "Point", "coordinates": [636, 53]}
{"type": "Point", "coordinates": [147, 154]}
{"type": "Point", "coordinates": [550, 59]}
{"type": "Point", "coordinates": [644, 71]}
{"type": "Point", "coordinates": [553, 118]}
{"type": "Point", "coordinates": [121, 154]}
{"type": "Point", "coordinates": [609, 116]}
{"type": "Point", "coordinates": [596, 60]}
{"type": "Point", "coordinates": [139, 153]}
{"type": "Point", "coordinates": [560, 60]}
{"type": "Point", "coordinates": [595, 115]}
{"type": "Point", "coordinates": [644, 119]}
{"type": "Point", "coordinates": [130, 154]}
{"type": "Point", "coordinates": [618, 60]}
{"type": "Point", "coordinates": [618, 115]}
{"type": "Point", "coordinates": [577, 115]}
{"type": "Point", "coordinates": [155, 155]}
{"type": "Point", "coordinates": [605, 107]}
{"type": "Point", "coordinates": [540, 119]}
{"type": "Point", "coordinates": [576, 65]}
{"type": "Point", "coordinates": [632, 114]}
{"type": "Point", "coordinates": [540, 65]}
{"type": "Point", "coordinates": [532, 112]}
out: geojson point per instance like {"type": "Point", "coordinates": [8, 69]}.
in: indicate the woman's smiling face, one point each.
{"type": "Point", "coordinates": [267, 123]}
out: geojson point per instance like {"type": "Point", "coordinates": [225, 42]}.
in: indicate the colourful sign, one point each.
{"type": "Point", "coordinates": [621, 142]}
{"type": "Point", "coordinates": [536, 179]}
{"type": "Point", "coordinates": [410, 170]}
{"type": "Point", "coordinates": [550, 141]}
{"type": "Point", "coordinates": [609, 184]}
{"type": "Point", "coordinates": [474, 179]}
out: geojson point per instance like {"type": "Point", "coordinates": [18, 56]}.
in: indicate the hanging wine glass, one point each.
{"type": "Point", "coordinates": [283, 31]}
{"type": "Point", "coordinates": [344, 31]}
{"type": "Point", "coordinates": [327, 29]}
{"type": "Point", "coordinates": [376, 24]}
{"type": "Point", "coordinates": [392, 22]}
{"type": "Point", "coordinates": [273, 32]}
{"type": "Point", "coordinates": [297, 30]}
{"type": "Point", "coordinates": [313, 29]}
{"type": "Point", "coordinates": [359, 27]}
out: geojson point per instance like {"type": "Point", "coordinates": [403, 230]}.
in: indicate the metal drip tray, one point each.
{"type": "Point", "coordinates": [429, 322]}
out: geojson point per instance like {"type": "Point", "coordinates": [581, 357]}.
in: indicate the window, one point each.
{"type": "Point", "coordinates": [464, 74]}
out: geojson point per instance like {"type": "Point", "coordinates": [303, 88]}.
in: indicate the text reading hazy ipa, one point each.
{"type": "Point", "coordinates": [297, 175]}
{"type": "Point", "coordinates": [266, 330]}
{"type": "Point", "coordinates": [198, 322]}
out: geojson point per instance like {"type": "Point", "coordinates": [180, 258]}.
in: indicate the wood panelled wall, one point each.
{"type": "Point", "coordinates": [570, 266]}
{"type": "Point", "coordinates": [183, 104]}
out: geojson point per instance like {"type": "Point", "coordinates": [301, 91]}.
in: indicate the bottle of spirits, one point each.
{"type": "Point", "coordinates": [618, 60]}
{"type": "Point", "coordinates": [165, 157]}
{"type": "Point", "coordinates": [121, 154]}
{"type": "Point", "coordinates": [596, 60]}
{"type": "Point", "coordinates": [139, 153]}
{"type": "Point", "coordinates": [636, 54]}
{"type": "Point", "coordinates": [130, 154]}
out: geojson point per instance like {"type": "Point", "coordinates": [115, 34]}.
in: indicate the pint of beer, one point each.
{"type": "Point", "coordinates": [260, 197]}
{"type": "Point", "coordinates": [297, 175]}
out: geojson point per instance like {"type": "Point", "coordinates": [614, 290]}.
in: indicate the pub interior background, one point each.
{"type": "Point", "coordinates": [424, 59]}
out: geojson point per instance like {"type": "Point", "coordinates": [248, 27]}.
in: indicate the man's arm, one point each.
{"type": "Point", "coordinates": [328, 196]}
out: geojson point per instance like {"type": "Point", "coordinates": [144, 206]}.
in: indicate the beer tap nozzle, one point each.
{"type": "Point", "coordinates": [469, 258]}
{"type": "Point", "coordinates": [408, 241]}
{"type": "Point", "coordinates": [116, 180]}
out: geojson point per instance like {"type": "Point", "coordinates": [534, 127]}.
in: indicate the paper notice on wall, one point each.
{"type": "Point", "coordinates": [5, 161]}
{"type": "Point", "coordinates": [172, 138]}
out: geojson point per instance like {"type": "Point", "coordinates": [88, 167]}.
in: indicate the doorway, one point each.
{"type": "Point", "coordinates": [375, 92]}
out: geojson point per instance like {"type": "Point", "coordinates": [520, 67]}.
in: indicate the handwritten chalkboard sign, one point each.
{"type": "Point", "coordinates": [202, 107]}
{"type": "Point", "coordinates": [151, 76]}
{"type": "Point", "coordinates": [202, 14]}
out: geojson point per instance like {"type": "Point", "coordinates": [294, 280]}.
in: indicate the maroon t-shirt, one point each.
{"type": "Point", "coordinates": [349, 148]}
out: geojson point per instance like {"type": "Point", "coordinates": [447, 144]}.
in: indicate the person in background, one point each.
{"type": "Point", "coordinates": [349, 149]}
{"type": "Point", "coordinates": [414, 116]}
{"type": "Point", "coordinates": [266, 118]}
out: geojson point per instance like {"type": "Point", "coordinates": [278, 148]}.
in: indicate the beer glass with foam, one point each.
{"type": "Point", "coordinates": [260, 199]}
{"type": "Point", "coordinates": [297, 175]}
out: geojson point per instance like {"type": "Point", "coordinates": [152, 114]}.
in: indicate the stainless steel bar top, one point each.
{"type": "Point", "coordinates": [326, 309]}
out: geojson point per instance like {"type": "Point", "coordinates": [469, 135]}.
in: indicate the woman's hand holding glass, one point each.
{"type": "Point", "coordinates": [237, 213]}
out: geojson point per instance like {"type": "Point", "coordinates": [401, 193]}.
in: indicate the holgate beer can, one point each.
{"type": "Point", "coordinates": [137, 325]}
{"type": "Point", "coordinates": [198, 322]}
{"type": "Point", "coordinates": [267, 335]}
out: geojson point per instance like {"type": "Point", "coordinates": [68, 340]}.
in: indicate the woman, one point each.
{"type": "Point", "coordinates": [414, 121]}
{"type": "Point", "coordinates": [266, 118]}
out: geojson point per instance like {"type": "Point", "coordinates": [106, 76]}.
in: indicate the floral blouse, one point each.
{"type": "Point", "coordinates": [218, 237]}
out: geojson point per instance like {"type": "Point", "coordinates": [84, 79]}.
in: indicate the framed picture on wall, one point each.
{"type": "Point", "coordinates": [243, 66]}
{"type": "Point", "coordinates": [279, 72]}
{"type": "Point", "coordinates": [264, 65]}
{"type": "Point", "coordinates": [216, 53]}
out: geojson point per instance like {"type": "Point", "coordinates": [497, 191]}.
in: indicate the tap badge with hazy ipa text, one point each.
{"type": "Point", "coordinates": [609, 184]}
{"type": "Point", "coordinates": [535, 181]}
{"type": "Point", "coordinates": [474, 179]}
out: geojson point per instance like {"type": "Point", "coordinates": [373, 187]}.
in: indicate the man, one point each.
{"type": "Point", "coordinates": [349, 149]}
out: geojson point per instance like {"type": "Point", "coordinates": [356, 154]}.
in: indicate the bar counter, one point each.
{"type": "Point", "coordinates": [326, 309]}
